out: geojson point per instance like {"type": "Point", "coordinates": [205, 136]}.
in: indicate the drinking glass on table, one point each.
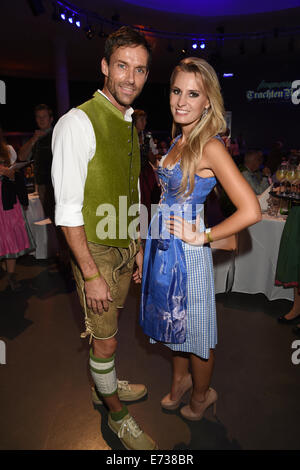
{"type": "Point", "coordinates": [281, 175]}
{"type": "Point", "coordinates": [273, 206]}
{"type": "Point", "coordinates": [291, 178]}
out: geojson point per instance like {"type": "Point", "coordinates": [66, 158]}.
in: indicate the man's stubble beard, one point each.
{"type": "Point", "coordinates": [114, 93]}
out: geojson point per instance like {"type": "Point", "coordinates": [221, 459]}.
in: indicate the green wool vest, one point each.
{"type": "Point", "coordinates": [110, 191]}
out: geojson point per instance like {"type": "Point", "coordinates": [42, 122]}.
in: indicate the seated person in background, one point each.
{"type": "Point", "coordinates": [257, 178]}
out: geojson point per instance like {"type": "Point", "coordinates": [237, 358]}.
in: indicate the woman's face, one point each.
{"type": "Point", "coordinates": [187, 99]}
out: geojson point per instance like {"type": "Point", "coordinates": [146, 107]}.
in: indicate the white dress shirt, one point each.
{"type": "Point", "coordinates": [73, 146]}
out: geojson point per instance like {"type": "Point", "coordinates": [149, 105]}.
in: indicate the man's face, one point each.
{"type": "Point", "coordinates": [125, 75]}
{"type": "Point", "coordinates": [43, 119]}
{"type": "Point", "coordinates": [255, 162]}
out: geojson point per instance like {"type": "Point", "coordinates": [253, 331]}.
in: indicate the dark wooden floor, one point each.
{"type": "Point", "coordinates": [45, 395]}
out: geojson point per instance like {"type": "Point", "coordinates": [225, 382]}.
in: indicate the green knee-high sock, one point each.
{"type": "Point", "coordinates": [104, 374]}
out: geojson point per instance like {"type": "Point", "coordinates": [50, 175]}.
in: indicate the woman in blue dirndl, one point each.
{"type": "Point", "coordinates": [178, 300]}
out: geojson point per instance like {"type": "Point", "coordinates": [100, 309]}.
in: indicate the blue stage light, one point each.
{"type": "Point", "coordinates": [63, 16]}
{"type": "Point", "coordinates": [202, 45]}
{"type": "Point", "coordinates": [195, 45]}
{"type": "Point", "coordinates": [78, 23]}
{"type": "Point", "coordinates": [70, 19]}
{"type": "Point", "coordinates": [226, 75]}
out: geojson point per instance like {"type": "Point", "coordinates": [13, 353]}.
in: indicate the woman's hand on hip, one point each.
{"type": "Point", "coordinates": [184, 230]}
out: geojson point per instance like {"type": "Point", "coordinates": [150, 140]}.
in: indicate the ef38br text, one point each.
{"type": "Point", "coordinates": [175, 459]}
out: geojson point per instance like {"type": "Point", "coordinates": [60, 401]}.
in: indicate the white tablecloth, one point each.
{"type": "Point", "coordinates": [224, 270]}
{"type": "Point", "coordinates": [42, 229]}
{"type": "Point", "coordinates": [35, 210]}
{"type": "Point", "coordinates": [255, 262]}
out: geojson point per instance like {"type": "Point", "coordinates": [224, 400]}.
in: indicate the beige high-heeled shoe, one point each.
{"type": "Point", "coordinates": [211, 399]}
{"type": "Point", "coordinates": [169, 404]}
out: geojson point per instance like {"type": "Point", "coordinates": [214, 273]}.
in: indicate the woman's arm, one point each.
{"type": "Point", "coordinates": [248, 212]}
{"type": "Point", "coordinates": [217, 161]}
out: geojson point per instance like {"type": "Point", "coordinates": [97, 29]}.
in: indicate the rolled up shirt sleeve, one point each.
{"type": "Point", "coordinates": [73, 146]}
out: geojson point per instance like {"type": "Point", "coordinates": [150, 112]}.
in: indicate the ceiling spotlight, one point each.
{"type": "Point", "coordinates": [70, 19]}
{"type": "Point", "coordinates": [202, 45]}
{"type": "Point", "coordinates": [195, 45]}
{"type": "Point", "coordinates": [62, 13]}
{"type": "Point", "coordinates": [77, 22]}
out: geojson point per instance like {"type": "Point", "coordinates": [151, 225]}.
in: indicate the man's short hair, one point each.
{"type": "Point", "coordinates": [125, 36]}
{"type": "Point", "coordinates": [43, 107]}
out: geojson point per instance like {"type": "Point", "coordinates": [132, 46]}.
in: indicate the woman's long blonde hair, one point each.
{"type": "Point", "coordinates": [208, 126]}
